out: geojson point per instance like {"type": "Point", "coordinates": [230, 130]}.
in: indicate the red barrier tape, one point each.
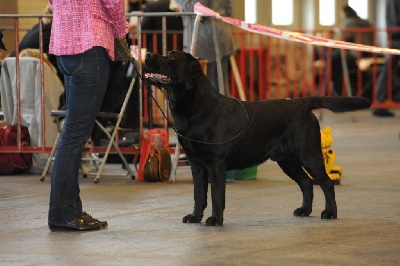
{"type": "Point", "coordinates": [292, 36]}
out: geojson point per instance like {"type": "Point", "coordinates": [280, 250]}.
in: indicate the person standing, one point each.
{"type": "Point", "coordinates": [205, 44]}
{"type": "Point", "coordinates": [32, 40]}
{"type": "Point", "coordinates": [351, 29]}
{"type": "Point", "coordinates": [173, 24]}
{"type": "Point", "coordinates": [391, 62]}
{"type": "Point", "coordinates": [352, 20]}
{"type": "Point", "coordinates": [135, 5]}
{"type": "Point", "coordinates": [82, 39]}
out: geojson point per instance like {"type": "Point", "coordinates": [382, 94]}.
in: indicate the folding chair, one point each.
{"type": "Point", "coordinates": [59, 114]}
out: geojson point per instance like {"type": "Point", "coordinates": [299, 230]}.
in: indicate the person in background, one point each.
{"type": "Point", "coordinates": [391, 61]}
{"type": "Point", "coordinates": [82, 38]}
{"type": "Point", "coordinates": [174, 6]}
{"type": "Point", "coordinates": [135, 5]}
{"type": "Point", "coordinates": [155, 24]}
{"type": "Point", "coordinates": [351, 20]}
{"type": "Point", "coordinates": [32, 40]}
{"type": "Point", "coordinates": [205, 44]}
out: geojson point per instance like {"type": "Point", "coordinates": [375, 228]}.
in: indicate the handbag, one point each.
{"type": "Point", "coordinates": [14, 163]}
{"type": "Point", "coordinates": [155, 159]}
{"type": "Point", "coordinates": [121, 50]}
{"type": "Point", "coordinates": [158, 165]}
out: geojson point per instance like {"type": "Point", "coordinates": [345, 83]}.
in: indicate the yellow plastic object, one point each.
{"type": "Point", "coordinates": [334, 172]}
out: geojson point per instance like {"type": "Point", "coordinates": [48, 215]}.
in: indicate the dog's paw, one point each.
{"type": "Point", "coordinates": [212, 221]}
{"type": "Point", "coordinates": [302, 212]}
{"type": "Point", "coordinates": [328, 215]}
{"type": "Point", "coordinates": [190, 218]}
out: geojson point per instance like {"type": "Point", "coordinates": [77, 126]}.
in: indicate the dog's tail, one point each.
{"type": "Point", "coordinates": [337, 104]}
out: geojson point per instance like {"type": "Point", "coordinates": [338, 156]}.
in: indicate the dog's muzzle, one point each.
{"type": "Point", "coordinates": [152, 63]}
{"type": "Point", "coordinates": [157, 78]}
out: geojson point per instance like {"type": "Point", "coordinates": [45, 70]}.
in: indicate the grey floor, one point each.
{"type": "Point", "coordinates": [145, 225]}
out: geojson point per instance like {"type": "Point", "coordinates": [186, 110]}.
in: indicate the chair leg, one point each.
{"type": "Point", "coordinates": [174, 163]}
{"type": "Point", "coordinates": [112, 137]}
{"type": "Point", "coordinates": [104, 159]}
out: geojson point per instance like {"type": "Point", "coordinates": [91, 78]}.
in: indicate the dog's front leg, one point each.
{"type": "Point", "coordinates": [218, 184]}
{"type": "Point", "coordinates": [200, 182]}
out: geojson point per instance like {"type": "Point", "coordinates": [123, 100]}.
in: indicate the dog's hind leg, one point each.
{"type": "Point", "coordinates": [293, 168]}
{"type": "Point", "coordinates": [314, 165]}
{"type": "Point", "coordinates": [200, 182]}
{"type": "Point", "coordinates": [321, 177]}
{"type": "Point", "coordinates": [312, 160]}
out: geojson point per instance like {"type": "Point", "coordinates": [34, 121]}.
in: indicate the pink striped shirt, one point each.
{"type": "Point", "coordinates": [79, 25]}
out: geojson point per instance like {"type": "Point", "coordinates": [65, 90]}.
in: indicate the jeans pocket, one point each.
{"type": "Point", "coordinates": [70, 64]}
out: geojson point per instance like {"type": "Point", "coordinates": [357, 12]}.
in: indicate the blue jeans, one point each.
{"type": "Point", "coordinates": [86, 77]}
{"type": "Point", "coordinates": [382, 80]}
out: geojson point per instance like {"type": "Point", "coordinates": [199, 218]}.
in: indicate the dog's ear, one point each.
{"type": "Point", "coordinates": [193, 64]}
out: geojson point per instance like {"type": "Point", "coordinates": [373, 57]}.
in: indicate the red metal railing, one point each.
{"type": "Point", "coordinates": [274, 68]}
{"type": "Point", "coordinates": [268, 68]}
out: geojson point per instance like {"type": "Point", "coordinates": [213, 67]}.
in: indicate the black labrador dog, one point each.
{"type": "Point", "coordinates": [219, 133]}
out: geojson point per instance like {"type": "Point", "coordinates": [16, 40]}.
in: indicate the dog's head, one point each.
{"type": "Point", "coordinates": [173, 69]}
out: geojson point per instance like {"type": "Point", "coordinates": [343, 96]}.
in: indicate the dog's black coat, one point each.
{"type": "Point", "coordinates": [219, 133]}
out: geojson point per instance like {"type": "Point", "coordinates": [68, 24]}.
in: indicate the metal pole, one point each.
{"type": "Point", "coordinates": [140, 69]}
{"type": "Point", "coordinates": [18, 82]}
{"type": "Point", "coordinates": [345, 73]}
{"type": "Point", "coordinates": [218, 60]}
{"type": "Point", "coordinates": [164, 42]}
{"type": "Point", "coordinates": [43, 110]}
{"type": "Point", "coordinates": [195, 34]}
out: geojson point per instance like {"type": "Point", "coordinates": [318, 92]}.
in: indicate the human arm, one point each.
{"type": "Point", "coordinates": [115, 9]}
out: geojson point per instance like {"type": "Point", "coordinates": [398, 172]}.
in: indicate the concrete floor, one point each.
{"type": "Point", "coordinates": [145, 225]}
